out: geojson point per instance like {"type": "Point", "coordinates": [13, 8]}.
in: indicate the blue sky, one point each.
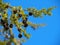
{"type": "Point", "coordinates": [48, 35]}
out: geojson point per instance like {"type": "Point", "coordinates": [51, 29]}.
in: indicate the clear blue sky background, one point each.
{"type": "Point", "coordinates": [48, 35]}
